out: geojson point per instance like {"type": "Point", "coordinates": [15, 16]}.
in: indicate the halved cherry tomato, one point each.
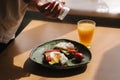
{"type": "Point", "coordinates": [72, 51]}
{"type": "Point", "coordinates": [48, 58]}
{"type": "Point", "coordinates": [55, 50]}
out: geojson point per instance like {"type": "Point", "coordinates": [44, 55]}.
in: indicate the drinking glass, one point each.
{"type": "Point", "coordinates": [86, 31]}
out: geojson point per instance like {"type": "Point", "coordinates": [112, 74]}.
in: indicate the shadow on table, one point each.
{"type": "Point", "coordinates": [8, 70]}
{"type": "Point", "coordinates": [109, 68]}
{"type": "Point", "coordinates": [34, 68]}
{"type": "Point", "coordinates": [11, 70]}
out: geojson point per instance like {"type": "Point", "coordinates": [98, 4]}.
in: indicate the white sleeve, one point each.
{"type": "Point", "coordinates": [11, 16]}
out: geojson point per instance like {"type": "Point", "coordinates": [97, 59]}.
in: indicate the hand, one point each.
{"type": "Point", "coordinates": [50, 9]}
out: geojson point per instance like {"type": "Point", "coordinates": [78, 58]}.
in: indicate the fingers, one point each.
{"type": "Point", "coordinates": [42, 8]}
{"type": "Point", "coordinates": [56, 11]}
{"type": "Point", "coordinates": [51, 10]}
{"type": "Point", "coordinates": [47, 11]}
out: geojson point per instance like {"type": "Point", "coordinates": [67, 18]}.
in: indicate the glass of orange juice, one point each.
{"type": "Point", "coordinates": [86, 29]}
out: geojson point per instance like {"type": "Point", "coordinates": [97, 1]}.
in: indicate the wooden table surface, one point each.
{"type": "Point", "coordinates": [16, 65]}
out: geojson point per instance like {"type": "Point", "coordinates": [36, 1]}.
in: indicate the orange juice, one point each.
{"type": "Point", "coordinates": [86, 31]}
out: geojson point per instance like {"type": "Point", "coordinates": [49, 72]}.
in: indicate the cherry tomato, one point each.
{"type": "Point", "coordinates": [78, 56]}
